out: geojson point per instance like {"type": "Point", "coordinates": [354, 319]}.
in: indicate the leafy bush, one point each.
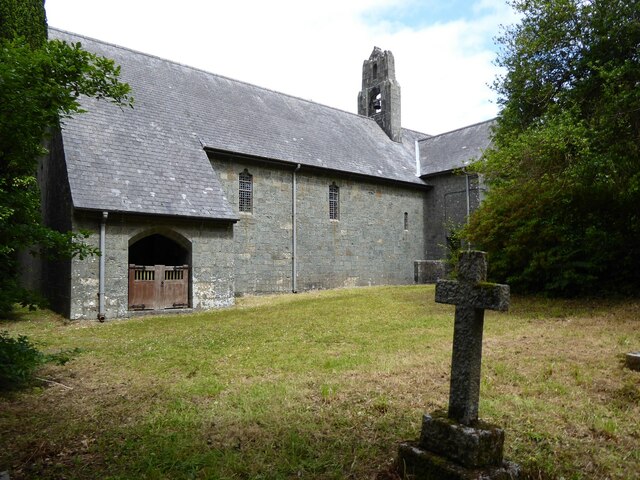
{"type": "Point", "coordinates": [19, 360]}
{"type": "Point", "coordinates": [561, 214]}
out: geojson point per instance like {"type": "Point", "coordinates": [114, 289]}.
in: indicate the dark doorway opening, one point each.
{"type": "Point", "coordinates": [159, 274]}
{"type": "Point", "coordinates": [157, 250]}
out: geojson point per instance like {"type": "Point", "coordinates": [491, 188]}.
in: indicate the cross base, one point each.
{"type": "Point", "coordinates": [448, 450]}
{"type": "Point", "coordinates": [471, 446]}
{"type": "Point", "coordinates": [416, 462]}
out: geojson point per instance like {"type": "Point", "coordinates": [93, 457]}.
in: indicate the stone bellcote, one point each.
{"type": "Point", "coordinates": [380, 95]}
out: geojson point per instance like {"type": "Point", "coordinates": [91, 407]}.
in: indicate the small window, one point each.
{"type": "Point", "coordinates": [377, 103]}
{"type": "Point", "coordinates": [334, 202]}
{"type": "Point", "coordinates": [406, 220]}
{"type": "Point", "coordinates": [245, 193]}
{"type": "Point", "coordinates": [375, 100]}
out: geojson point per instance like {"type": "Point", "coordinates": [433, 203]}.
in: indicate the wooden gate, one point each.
{"type": "Point", "coordinates": [155, 287]}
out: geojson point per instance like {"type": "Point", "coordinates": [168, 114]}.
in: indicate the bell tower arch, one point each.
{"type": "Point", "coordinates": [380, 94]}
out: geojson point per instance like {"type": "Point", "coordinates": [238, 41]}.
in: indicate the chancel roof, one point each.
{"type": "Point", "coordinates": [152, 159]}
{"type": "Point", "coordinates": [453, 150]}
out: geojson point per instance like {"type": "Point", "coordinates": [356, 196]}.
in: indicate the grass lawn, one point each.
{"type": "Point", "coordinates": [321, 385]}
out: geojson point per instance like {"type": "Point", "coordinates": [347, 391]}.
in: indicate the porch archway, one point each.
{"type": "Point", "coordinates": [159, 271]}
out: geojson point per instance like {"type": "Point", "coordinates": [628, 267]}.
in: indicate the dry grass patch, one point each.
{"type": "Point", "coordinates": [321, 385]}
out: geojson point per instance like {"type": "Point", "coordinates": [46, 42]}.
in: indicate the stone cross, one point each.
{"type": "Point", "coordinates": [471, 295]}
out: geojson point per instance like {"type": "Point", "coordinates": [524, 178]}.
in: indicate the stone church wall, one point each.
{"type": "Point", "coordinates": [51, 278]}
{"type": "Point", "coordinates": [446, 209]}
{"type": "Point", "coordinates": [367, 245]}
{"type": "Point", "coordinates": [211, 282]}
{"type": "Point", "coordinates": [262, 238]}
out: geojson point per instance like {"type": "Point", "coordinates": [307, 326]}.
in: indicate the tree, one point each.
{"type": "Point", "coordinates": [24, 18]}
{"type": "Point", "coordinates": [561, 215]}
{"type": "Point", "coordinates": [41, 83]}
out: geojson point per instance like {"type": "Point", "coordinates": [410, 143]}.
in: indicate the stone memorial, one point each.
{"type": "Point", "coordinates": [632, 361]}
{"type": "Point", "coordinates": [456, 445]}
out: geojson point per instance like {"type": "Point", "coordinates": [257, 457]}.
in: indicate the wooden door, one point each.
{"type": "Point", "coordinates": [174, 287]}
{"type": "Point", "coordinates": [154, 287]}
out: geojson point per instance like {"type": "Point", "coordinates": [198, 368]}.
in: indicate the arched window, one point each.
{"type": "Point", "coordinates": [377, 103]}
{"type": "Point", "coordinates": [245, 192]}
{"type": "Point", "coordinates": [406, 220]}
{"type": "Point", "coordinates": [375, 100]}
{"type": "Point", "coordinates": [334, 202]}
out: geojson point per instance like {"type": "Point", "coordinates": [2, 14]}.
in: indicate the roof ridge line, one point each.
{"type": "Point", "coordinates": [426, 135]}
{"type": "Point", "coordinates": [458, 129]}
{"type": "Point", "coordinates": [104, 42]}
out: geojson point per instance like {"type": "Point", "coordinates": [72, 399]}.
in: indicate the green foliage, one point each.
{"type": "Point", "coordinates": [322, 385]}
{"type": "Point", "coordinates": [25, 18]}
{"type": "Point", "coordinates": [20, 358]}
{"type": "Point", "coordinates": [454, 247]}
{"type": "Point", "coordinates": [561, 215]}
{"type": "Point", "coordinates": [40, 86]}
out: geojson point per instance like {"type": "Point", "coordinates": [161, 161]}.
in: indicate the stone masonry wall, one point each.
{"type": "Point", "coordinates": [368, 245]}
{"type": "Point", "coordinates": [447, 209]}
{"type": "Point", "coordinates": [212, 258]}
{"type": "Point", "coordinates": [51, 278]}
{"type": "Point", "coordinates": [262, 239]}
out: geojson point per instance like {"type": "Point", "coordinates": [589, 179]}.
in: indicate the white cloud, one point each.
{"type": "Point", "coordinates": [311, 50]}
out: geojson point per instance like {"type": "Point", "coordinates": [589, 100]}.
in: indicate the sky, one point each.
{"type": "Point", "coordinates": [444, 49]}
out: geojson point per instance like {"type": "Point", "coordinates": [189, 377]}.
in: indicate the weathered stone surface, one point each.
{"type": "Point", "coordinates": [418, 463]}
{"type": "Point", "coordinates": [633, 360]}
{"type": "Point", "coordinates": [212, 264]}
{"type": "Point", "coordinates": [428, 271]}
{"type": "Point", "coordinates": [363, 248]}
{"type": "Point", "coordinates": [472, 266]}
{"type": "Point", "coordinates": [471, 446]}
{"type": "Point", "coordinates": [471, 290]}
{"type": "Point", "coordinates": [380, 94]}
{"type": "Point", "coordinates": [457, 446]}
{"type": "Point", "coordinates": [448, 199]}
{"type": "Point", "coordinates": [488, 296]}
{"type": "Point", "coordinates": [471, 295]}
{"type": "Point", "coordinates": [466, 358]}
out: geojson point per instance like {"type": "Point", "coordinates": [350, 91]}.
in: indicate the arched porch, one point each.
{"type": "Point", "coordinates": [159, 271]}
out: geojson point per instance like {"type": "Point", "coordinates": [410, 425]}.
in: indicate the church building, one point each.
{"type": "Point", "coordinates": [212, 188]}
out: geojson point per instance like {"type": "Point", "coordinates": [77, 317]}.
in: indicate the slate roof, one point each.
{"type": "Point", "coordinates": [456, 149]}
{"type": "Point", "coordinates": [151, 159]}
